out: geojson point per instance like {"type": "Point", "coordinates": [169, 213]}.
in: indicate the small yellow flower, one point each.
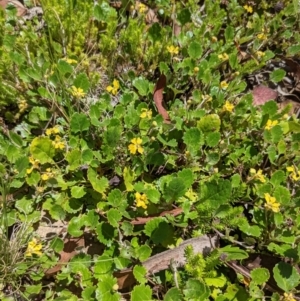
{"type": "Point", "coordinates": [223, 57]}
{"type": "Point", "coordinates": [77, 92]}
{"type": "Point", "coordinates": [258, 175]}
{"type": "Point", "coordinates": [214, 39]}
{"type": "Point", "coordinates": [248, 8]}
{"type": "Point", "coordinates": [114, 88]}
{"type": "Point", "coordinates": [35, 164]}
{"type": "Point", "coordinates": [294, 174]}
{"type": "Point", "coordinates": [191, 194]}
{"type": "Point", "coordinates": [288, 297]}
{"type": "Point", "coordinates": [135, 146]}
{"type": "Point", "coordinates": [173, 50]}
{"type": "Point", "coordinates": [196, 69]}
{"type": "Point", "coordinates": [228, 106]}
{"type": "Point", "coordinates": [206, 97]}
{"type": "Point", "coordinates": [33, 248]}
{"type": "Point", "coordinates": [146, 113]}
{"type": "Point", "coordinates": [270, 124]}
{"type": "Point", "coordinates": [224, 85]}
{"type": "Point", "coordinates": [141, 200]}
{"type": "Point", "coordinates": [57, 143]}
{"type": "Point", "coordinates": [271, 203]}
{"type": "Point", "coordinates": [262, 36]}
{"type": "Point", "coordinates": [71, 61]}
{"type": "Point", "coordinates": [54, 130]}
{"type": "Point", "coordinates": [142, 8]}
{"type": "Point", "coordinates": [260, 54]}
{"type": "Point", "coordinates": [47, 175]}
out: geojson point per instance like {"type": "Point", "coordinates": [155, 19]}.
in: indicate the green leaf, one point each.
{"type": "Point", "coordinates": [34, 178]}
{"type": "Point", "coordinates": [196, 290]}
{"type": "Point", "coordinates": [143, 252]}
{"type": "Point", "coordinates": [229, 33]}
{"type": "Point", "coordinates": [173, 294]}
{"type": "Point", "coordinates": [142, 85]}
{"type": "Point", "coordinates": [175, 189]}
{"type": "Point", "coordinates": [41, 148]}
{"type": "Point", "coordinates": [139, 273]}
{"type": "Point", "coordinates": [195, 50]}
{"type": "Point", "coordinates": [64, 67]}
{"type": "Point", "coordinates": [103, 266]}
{"type": "Point", "coordinates": [216, 192]}
{"type": "Point", "coordinates": [57, 212]}
{"type": "Point", "coordinates": [276, 133]}
{"type": "Point", "coordinates": [235, 180]}
{"type": "Point", "coordinates": [116, 199]}
{"type": "Point", "coordinates": [79, 123]}
{"type": "Point", "coordinates": [78, 192]}
{"type": "Point", "coordinates": [286, 276]}
{"type": "Point", "coordinates": [234, 253]}
{"type": "Point", "coordinates": [260, 275]}
{"type": "Point", "coordinates": [113, 217]}
{"type": "Point", "coordinates": [212, 139]}
{"type": "Point", "coordinates": [184, 16]}
{"type": "Point", "coordinates": [21, 165]}
{"type": "Point", "coordinates": [251, 230]}
{"type": "Point", "coordinates": [141, 293]}
{"type": "Point", "coordinates": [104, 291]}
{"type": "Point", "coordinates": [187, 176]}
{"type": "Point", "coordinates": [57, 244]}
{"type": "Point", "coordinates": [15, 139]}
{"type": "Point", "coordinates": [193, 139]}
{"type": "Point", "coordinates": [209, 123]}
{"type": "Point", "coordinates": [278, 177]}
{"type": "Point", "coordinates": [269, 108]}
{"type": "Point", "coordinates": [282, 195]}
{"type": "Point", "coordinates": [105, 233]}
{"type": "Point", "coordinates": [153, 195]}
{"type": "Point", "coordinates": [75, 225]}
{"type": "Point", "coordinates": [74, 159]}
{"type": "Point", "coordinates": [33, 289]}
{"type": "Point", "coordinates": [24, 205]}
{"type": "Point", "coordinates": [104, 12]}
{"type": "Point", "coordinates": [295, 49]}
{"type": "Point", "coordinates": [129, 176]}
{"type": "Point", "coordinates": [216, 281]}
{"type": "Point", "coordinates": [212, 158]}
{"type": "Point", "coordinates": [100, 185]}
{"type": "Point", "coordinates": [82, 81]}
{"type": "Point", "coordinates": [277, 75]}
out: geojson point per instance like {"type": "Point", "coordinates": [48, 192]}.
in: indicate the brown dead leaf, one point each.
{"type": "Point", "coordinates": [69, 251]}
{"type": "Point", "coordinates": [158, 98]}
{"type": "Point", "coordinates": [293, 67]}
{"type": "Point", "coordinates": [144, 220]}
{"type": "Point", "coordinates": [262, 94]}
{"type": "Point", "coordinates": [21, 10]}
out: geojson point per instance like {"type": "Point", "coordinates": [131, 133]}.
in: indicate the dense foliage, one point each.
{"type": "Point", "coordinates": [86, 147]}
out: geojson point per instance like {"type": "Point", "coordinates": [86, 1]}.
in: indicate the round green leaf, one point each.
{"type": "Point", "coordinates": [260, 275]}
{"type": "Point", "coordinates": [41, 148]}
{"type": "Point", "coordinates": [286, 276]}
{"type": "Point", "coordinates": [78, 192]}
{"type": "Point", "coordinates": [79, 123]}
{"type": "Point", "coordinates": [195, 50]}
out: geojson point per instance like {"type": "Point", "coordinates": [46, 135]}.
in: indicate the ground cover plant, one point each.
{"type": "Point", "coordinates": [131, 128]}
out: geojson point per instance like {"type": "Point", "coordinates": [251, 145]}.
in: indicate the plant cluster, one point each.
{"type": "Point", "coordinates": [84, 144]}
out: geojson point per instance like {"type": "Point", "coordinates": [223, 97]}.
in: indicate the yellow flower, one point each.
{"type": "Point", "coordinates": [258, 175]}
{"type": "Point", "coordinates": [228, 106]}
{"type": "Point", "coordinates": [224, 85]}
{"type": "Point", "coordinates": [271, 203]}
{"type": "Point", "coordinates": [35, 164]}
{"type": "Point", "coordinates": [295, 174]}
{"type": "Point", "coordinates": [214, 39]}
{"type": "Point", "coordinates": [196, 69]}
{"type": "Point", "coordinates": [77, 92]}
{"type": "Point", "coordinates": [223, 57]}
{"type": "Point", "coordinates": [270, 124]}
{"type": "Point", "coordinates": [288, 297]}
{"type": "Point", "coordinates": [142, 8]}
{"type": "Point", "coordinates": [141, 200]}
{"type": "Point", "coordinates": [173, 50]}
{"type": "Point", "coordinates": [54, 130]}
{"type": "Point", "coordinates": [262, 36]}
{"type": "Point", "coordinates": [146, 113]}
{"type": "Point", "coordinates": [260, 54]}
{"type": "Point", "coordinates": [135, 146]}
{"type": "Point", "coordinates": [191, 194]}
{"type": "Point", "coordinates": [248, 8]}
{"type": "Point", "coordinates": [206, 97]}
{"type": "Point", "coordinates": [33, 248]}
{"type": "Point", "coordinates": [47, 175]}
{"type": "Point", "coordinates": [70, 61]}
{"type": "Point", "coordinates": [114, 88]}
{"type": "Point", "coordinates": [57, 143]}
